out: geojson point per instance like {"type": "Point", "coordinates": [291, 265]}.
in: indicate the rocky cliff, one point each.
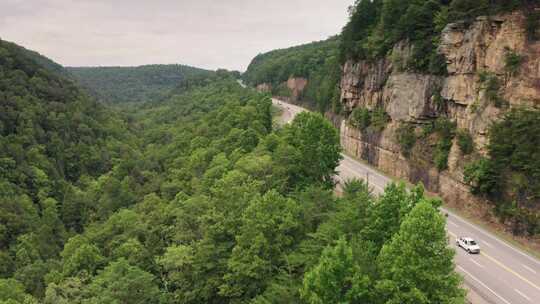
{"type": "Point", "coordinates": [492, 67]}
{"type": "Point", "coordinates": [290, 90]}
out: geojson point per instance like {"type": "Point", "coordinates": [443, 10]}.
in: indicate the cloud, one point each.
{"type": "Point", "coordinates": [205, 33]}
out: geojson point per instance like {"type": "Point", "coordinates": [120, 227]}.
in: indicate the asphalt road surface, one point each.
{"type": "Point", "coordinates": [500, 274]}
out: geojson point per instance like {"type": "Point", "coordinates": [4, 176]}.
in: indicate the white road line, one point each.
{"type": "Point", "coordinates": [477, 264]}
{"type": "Point", "coordinates": [493, 237]}
{"type": "Point", "coordinates": [529, 268]}
{"type": "Point", "coordinates": [486, 243]}
{"type": "Point", "coordinates": [484, 285]}
{"type": "Point", "coordinates": [522, 294]}
{"type": "Point", "coordinates": [453, 224]}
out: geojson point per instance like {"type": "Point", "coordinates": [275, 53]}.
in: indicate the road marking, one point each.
{"type": "Point", "coordinates": [488, 244]}
{"type": "Point", "coordinates": [477, 264]}
{"type": "Point", "coordinates": [453, 224]}
{"type": "Point", "coordinates": [523, 295]}
{"type": "Point", "coordinates": [509, 270]}
{"type": "Point", "coordinates": [493, 237]}
{"type": "Point", "coordinates": [484, 285]}
{"type": "Point", "coordinates": [452, 234]}
{"type": "Point", "coordinates": [529, 268]}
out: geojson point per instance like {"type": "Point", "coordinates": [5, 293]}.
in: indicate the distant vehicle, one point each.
{"type": "Point", "coordinates": [468, 244]}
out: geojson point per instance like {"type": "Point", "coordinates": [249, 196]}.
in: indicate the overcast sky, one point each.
{"type": "Point", "coordinates": [203, 33]}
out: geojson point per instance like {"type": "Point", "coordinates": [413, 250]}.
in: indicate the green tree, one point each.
{"type": "Point", "coordinates": [417, 266]}
{"type": "Point", "coordinates": [336, 278]}
{"type": "Point", "coordinates": [12, 292]}
{"type": "Point", "coordinates": [385, 216]}
{"type": "Point", "coordinates": [318, 144]}
{"type": "Point", "coordinates": [79, 255]}
{"type": "Point", "coordinates": [120, 282]}
{"type": "Point", "coordinates": [269, 229]}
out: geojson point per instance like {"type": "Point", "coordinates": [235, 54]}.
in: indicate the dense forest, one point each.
{"type": "Point", "coordinates": [134, 84]}
{"type": "Point", "coordinates": [196, 199]}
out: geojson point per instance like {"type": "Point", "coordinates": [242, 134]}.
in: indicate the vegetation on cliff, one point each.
{"type": "Point", "coordinates": [375, 26]}
{"type": "Point", "coordinates": [510, 177]}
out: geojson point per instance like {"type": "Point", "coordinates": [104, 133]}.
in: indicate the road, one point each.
{"type": "Point", "coordinates": [500, 274]}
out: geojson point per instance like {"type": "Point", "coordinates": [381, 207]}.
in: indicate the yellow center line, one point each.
{"type": "Point", "coordinates": [508, 269]}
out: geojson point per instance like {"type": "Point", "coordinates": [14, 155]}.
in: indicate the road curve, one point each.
{"type": "Point", "coordinates": [500, 274]}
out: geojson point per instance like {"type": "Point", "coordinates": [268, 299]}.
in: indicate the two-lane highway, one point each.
{"type": "Point", "coordinates": [500, 274]}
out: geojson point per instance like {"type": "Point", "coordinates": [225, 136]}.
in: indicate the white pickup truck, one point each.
{"type": "Point", "coordinates": [468, 244]}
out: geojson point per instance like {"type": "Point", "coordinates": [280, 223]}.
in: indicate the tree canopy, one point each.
{"type": "Point", "coordinates": [197, 198]}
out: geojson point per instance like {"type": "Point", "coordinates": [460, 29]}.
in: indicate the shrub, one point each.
{"type": "Point", "coordinates": [465, 141]}
{"type": "Point", "coordinates": [379, 119]}
{"type": "Point", "coordinates": [447, 131]}
{"type": "Point", "coordinates": [406, 138]}
{"type": "Point", "coordinates": [491, 85]}
{"type": "Point", "coordinates": [512, 61]}
{"type": "Point", "coordinates": [360, 118]}
{"type": "Point", "coordinates": [445, 127]}
{"type": "Point", "coordinates": [438, 100]}
{"type": "Point", "coordinates": [482, 176]}
{"type": "Point", "coordinates": [441, 153]}
{"type": "Point", "coordinates": [427, 129]}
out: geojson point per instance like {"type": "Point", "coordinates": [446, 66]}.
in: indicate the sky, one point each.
{"type": "Point", "coordinates": [203, 33]}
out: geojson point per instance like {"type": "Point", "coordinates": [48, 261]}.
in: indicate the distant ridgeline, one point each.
{"type": "Point", "coordinates": [134, 84]}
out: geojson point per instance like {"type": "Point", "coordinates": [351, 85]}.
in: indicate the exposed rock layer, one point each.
{"type": "Point", "coordinates": [416, 99]}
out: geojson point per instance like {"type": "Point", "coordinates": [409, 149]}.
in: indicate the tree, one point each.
{"type": "Point", "coordinates": [269, 229]}
{"type": "Point", "coordinates": [385, 216]}
{"type": "Point", "coordinates": [12, 292]}
{"type": "Point", "coordinates": [122, 283]}
{"type": "Point", "coordinates": [336, 278]}
{"type": "Point", "coordinates": [417, 266]}
{"type": "Point", "coordinates": [79, 255]}
{"type": "Point", "coordinates": [318, 144]}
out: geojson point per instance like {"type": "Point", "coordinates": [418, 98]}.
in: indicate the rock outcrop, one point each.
{"type": "Point", "coordinates": [473, 52]}
{"type": "Point", "coordinates": [290, 90]}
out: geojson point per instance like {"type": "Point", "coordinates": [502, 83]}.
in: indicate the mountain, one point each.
{"type": "Point", "coordinates": [134, 84]}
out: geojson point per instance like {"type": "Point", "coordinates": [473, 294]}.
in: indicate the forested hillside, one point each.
{"type": "Point", "coordinates": [317, 62]}
{"type": "Point", "coordinates": [197, 199]}
{"type": "Point", "coordinates": [134, 84]}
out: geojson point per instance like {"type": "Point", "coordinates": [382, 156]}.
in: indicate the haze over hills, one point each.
{"type": "Point", "coordinates": [134, 84]}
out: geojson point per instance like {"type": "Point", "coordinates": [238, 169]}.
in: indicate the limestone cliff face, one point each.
{"type": "Point", "coordinates": [290, 90]}
{"type": "Point", "coordinates": [470, 50]}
